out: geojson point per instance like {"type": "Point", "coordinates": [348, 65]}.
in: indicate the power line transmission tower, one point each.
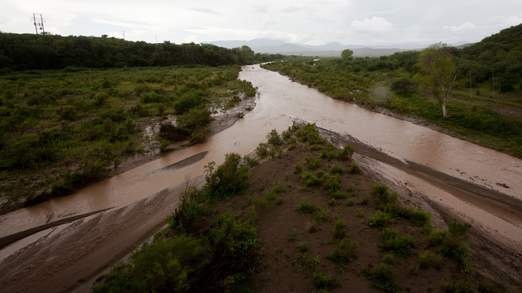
{"type": "Point", "coordinates": [34, 22]}
{"type": "Point", "coordinates": [38, 22]}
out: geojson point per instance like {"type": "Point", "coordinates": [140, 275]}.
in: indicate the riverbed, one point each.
{"type": "Point", "coordinates": [62, 242]}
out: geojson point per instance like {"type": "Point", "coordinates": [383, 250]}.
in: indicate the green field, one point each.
{"type": "Point", "coordinates": [62, 129]}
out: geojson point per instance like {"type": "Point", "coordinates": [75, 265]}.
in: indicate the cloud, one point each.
{"type": "Point", "coordinates": [374, 24]}
{"type": "Point", "coordinates": [467, 26]}
{"type": "Point", "coordinates": [206, 10]}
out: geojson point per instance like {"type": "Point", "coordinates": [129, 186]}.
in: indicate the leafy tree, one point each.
{"type": "Point", "coordinates": [347, 55]}
{"type": "Point", "coordinates": [439, 73]}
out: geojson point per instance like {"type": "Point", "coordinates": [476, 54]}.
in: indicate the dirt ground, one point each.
{"type": "Point", "coordinates": [290, 238]}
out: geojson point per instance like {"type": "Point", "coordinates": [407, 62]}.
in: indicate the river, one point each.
{"type": "Point", "coordinates": [81, 228]}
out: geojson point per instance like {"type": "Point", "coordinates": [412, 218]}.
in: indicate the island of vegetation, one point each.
{"type": "Point", "coordinates": [324, 225]}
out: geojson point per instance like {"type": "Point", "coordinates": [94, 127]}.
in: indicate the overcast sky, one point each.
{"type": "Point", "coordinates": [357, 22]}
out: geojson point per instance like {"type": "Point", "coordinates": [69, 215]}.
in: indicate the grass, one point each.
{"type": "Point", "coordinates": [66, 128]}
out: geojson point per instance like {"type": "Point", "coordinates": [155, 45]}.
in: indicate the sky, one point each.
{"type": "Point", "coordinates": [375, 23]}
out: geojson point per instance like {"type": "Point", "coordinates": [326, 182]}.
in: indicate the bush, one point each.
{"type": "Point", "coordinates": [379, 219]}
{"type": "Point", "coordinates": [452, 243]}
{"type": "Point", "coordinates": [274, 138]}
{"type": "Point", "coordinates": [307, 208]}
{"type": "Point", "coordinates": [324, 281]}
{"type": "Point", "coordinates": [404, 86]}
{"type": "Point", "coordinates": [190, 212]}
{"type": "Point", "coordinates": [381, 276]}
{"type": "Point", "coordinates": [164, 265]}
{"type": "Point", "coordinates": [309, 179]}
{"type": "Point", "coordinates": [339, 230]}
{"type": "Point", "coordinates": [229, 178]}
{"type": "Point", "coordinates": [193, 119]}
{"type": "Point", "coordinates": [385, 199]}
{"type": "Point", "coordinates": [416, 216]}
{"type": "Point", "coordinates": [428, 259]}
{"type": "Point", "coordinates": [396, 243]}
{"type": "Point", "coordinates": [345, 251]}
{"type": "Point", "coordinates": [188, 101]}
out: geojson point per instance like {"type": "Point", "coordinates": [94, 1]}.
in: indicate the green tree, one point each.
{"type": "Point", "coordinates": [347, 55]}
{"type": "Point", "coordinates": [439, 73]}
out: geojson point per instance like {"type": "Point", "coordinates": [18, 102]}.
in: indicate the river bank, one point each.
{"type": "Point", "coordinates": [484, 120]}
{"type": "Point", "coordinates": [311, 230]}
{"type": "Point", "coordinates": [279, 103]}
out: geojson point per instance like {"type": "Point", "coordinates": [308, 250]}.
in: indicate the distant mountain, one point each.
{"type": "Point", "coordinates": [332, 49]}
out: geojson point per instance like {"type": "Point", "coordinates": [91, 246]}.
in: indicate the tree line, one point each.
{"type": "Point", "coordinates": [28, 51]}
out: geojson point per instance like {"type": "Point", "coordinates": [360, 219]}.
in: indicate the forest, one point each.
{"type": "Point", "coordinates": [29, 51]}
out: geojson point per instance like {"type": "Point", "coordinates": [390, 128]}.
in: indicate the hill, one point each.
{"type": "Point", "coordinates": [332, 49]}
{"type": "Point", "coordinates": [497, 59]}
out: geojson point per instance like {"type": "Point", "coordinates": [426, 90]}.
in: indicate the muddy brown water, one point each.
{"type": "Point", "coordinates": [280, 101]}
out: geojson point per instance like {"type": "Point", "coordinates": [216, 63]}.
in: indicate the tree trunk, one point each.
{"type": "Point", "coordinates": [444, 111]}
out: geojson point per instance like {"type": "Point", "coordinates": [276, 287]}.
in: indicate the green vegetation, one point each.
{"type": "Point", "coordinates": [483, 105]}
{"type": "Point", "coordinates": [213, 242]}
{"type": "Point", "coordinates": [182, 258]}
{"type": "Point", "coordinates": [29, 51]}
{"type": "Point", "coordinates": [60, 130]}
{"type": "Point", "coordinates": [381, 276]}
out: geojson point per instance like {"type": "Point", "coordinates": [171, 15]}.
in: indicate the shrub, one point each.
{"type": "Point", "coordinates": [416, 216]}
{"type": "Point", "coordinates": [324, 281]}
{"type": "Point", "coordinates": [313, 163]}
{"type": "Point", "coordinates": [396, 243]}
{"type": "Point", "coordinates": [262, 150]}
{"type": "Point", "coordinates": [188, 101]}
{"type": "Point", "coordinates": [385, 199]}
{"type": "Point", "coordinates": [404, 86]}
{"type": "Point", "coordinates": [345, 251]}
{"type": "Point", "coordinates": [229, 178]}
{"type": "Point", "coordinates": [346, 153]}
{"type": "Point", "coordinates": [428, 259]}
{"type": "Point", "coordinates": [235, 245]}
{"type": "Point", "coordinates": [308, 134]}
{"type": "Point", "coordinates": [339, 230]}
{"type": "Point", "coordinates": [193, 119]}
{"type": "Point", "coordinates": [302, 247]}
{"type": "Point", "coordinates": [153, 97]}
{"type": "Point", "coordinates": [166, 264]}
{"type": "Point", "coordinates": [191, 211]}
{"type": "Point", "coordinates": [309, 179]}
{"type": "Point", "coordinates": [379, 219]}
{"type": "Point", "coordinates": [452, 243]}
{"type": "Point", "coordinates": [331, 183]}
{"type": "Point", "coordinates": [354, 168]}
{"type": "Point", "coordinates": [307, 208]}
{"type": "Point", "coordinates": [381, 276]}
{"type": "Point", "coordinates": [274, 138]}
